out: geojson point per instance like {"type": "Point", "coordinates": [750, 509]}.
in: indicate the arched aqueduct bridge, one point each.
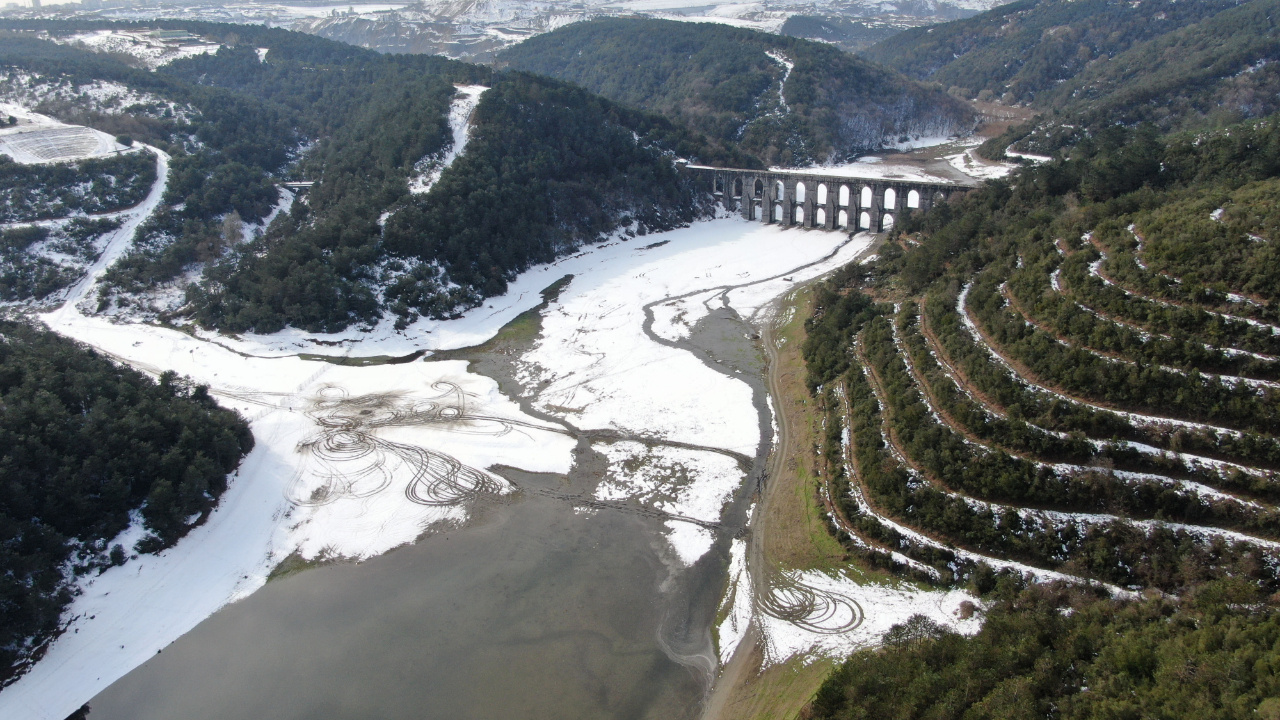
{"type": "Point", "coordinates": [814, 200]}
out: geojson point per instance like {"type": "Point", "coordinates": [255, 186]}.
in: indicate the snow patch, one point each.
{"type": "Point", "coordinates": [41, 139]}
{"type": "Point", "coordinates": [877, 608]}
{"type": "Point", "coordinates": [428, 170]}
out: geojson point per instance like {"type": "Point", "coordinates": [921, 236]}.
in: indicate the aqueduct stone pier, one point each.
{"type": "Point", "coordinates": [815, 200]}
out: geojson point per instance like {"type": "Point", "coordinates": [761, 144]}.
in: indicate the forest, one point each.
{"type": "Point", "coordinates": [87, 187]}
{"type": "Point", "coordinates": [548, 167]}
{"type": "Point", "coordinates": [1056, 652]}
{"type": "Point", "coordinates": [361, 246]}
{"type": "Point", "coordinates": [86, 447]}
{"type": "Point", "coordinates": [723, 82]}
{"type": "Point", "coordinates": [36, 261]}
{"type": "Point", "coordinates": [1075, 370]}
{"type": "Point", "coordinates": [1017, 51]}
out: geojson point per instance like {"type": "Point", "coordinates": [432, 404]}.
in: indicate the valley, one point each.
{"type": "Point", "coordinates": [656, 368]}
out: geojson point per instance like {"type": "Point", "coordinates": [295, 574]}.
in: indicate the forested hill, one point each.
{"type": "Point", "coordinates": [548, 167]}
{"type": "Point", "coordinates": [1077, 370]}
{"type": "Point", "coordinates": [362, 125]}
{"type": "Point", "coordinates": [1018, 51]}
{"type": "Point", "coordinates": [86, 447]}
{"type": "Point", "coordinates": [788, 101]}
{"type": "Point", "coordinates": [1178, 65]}
{"type": "Point", "coordinates": [1218, 71]}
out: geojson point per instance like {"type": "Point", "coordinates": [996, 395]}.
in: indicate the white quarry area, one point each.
{"type": "Point", "coordinates": [151, 50]}
{"type": "Point", "coordinates": [428, 170]}
{"type": "Point", "coordinates": [41, 139]}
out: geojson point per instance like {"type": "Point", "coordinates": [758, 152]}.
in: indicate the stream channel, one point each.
{"type": "Point", "coordinates": [536, 607]}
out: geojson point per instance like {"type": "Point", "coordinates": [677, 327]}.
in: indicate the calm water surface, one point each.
{"type": "Point", "coordinates": [533, 610]}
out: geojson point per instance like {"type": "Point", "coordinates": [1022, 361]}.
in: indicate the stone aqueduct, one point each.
{"type": "Point", "coordinates": [814, 200]}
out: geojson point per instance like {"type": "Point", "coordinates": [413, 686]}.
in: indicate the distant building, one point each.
{"type": "Point", "coordinates": [171, 35]}
{"type": "Point", "coordinates": [35, 4]}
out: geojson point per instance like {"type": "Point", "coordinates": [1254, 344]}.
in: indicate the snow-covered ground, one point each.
{"type": "Point", "coordinates": [973, 166]}
{"type": "Point", "coordinates": [151, 51]}
{"type": "Point", "coordinates": [595, 365]}
{"type": "Point", "coordinates": [871, 609]}
{"type": "Point", "coordinates": [690, 483]}
{"type": "Point", "coordinates": [428, 170]}
{"type": "Point", "coordinates": [41, 139]}
{"type": "Point", "coordinates": [305, 490]}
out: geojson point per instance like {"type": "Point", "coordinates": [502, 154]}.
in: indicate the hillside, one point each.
{"type": "Point", "coordinates": [1070, 376]}
{"type": "Point", "coordinates": [785, 100]}
{"type": "Point", "coordinates": [1016, 52]}
{"type": "Point", "coordinates": [1181, 66]}
{"type": "Point", "coordinates": [1210, 74]}
{"type": "Point", "coordinates": [272, 105]}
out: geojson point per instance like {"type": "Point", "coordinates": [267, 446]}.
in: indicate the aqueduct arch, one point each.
{"type": "Point", "coordinates": [814, 200]}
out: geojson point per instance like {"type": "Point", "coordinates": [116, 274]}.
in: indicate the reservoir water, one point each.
{"type": "Point", "coordinates": [535, 608]}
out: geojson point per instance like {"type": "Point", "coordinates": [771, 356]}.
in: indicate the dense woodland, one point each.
{"type": "Point", "coordinates": [97, 185]}
{"type": "Point", "coordinates": [721, 81]}
{"type": "Point", "coordinates": [993, 373]}
{"type": "Point", "coordinates": [548, 167]}
{"type": "Point", "coordinates": [1017, 52]}
{"type": "Point", "coordinates": [361, 245]}
{"type": "Point", "coordinates": [1050, 652]}
{"type": "Point", "coordinates": [85, 443]}
{"type": "Point", "coordinates": [1181, 66]}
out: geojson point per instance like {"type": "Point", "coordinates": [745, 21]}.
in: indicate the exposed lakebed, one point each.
{"type": "Point", "coordinates": [542, 525]}
{"type": "Point", "coordinates": [537, 606]}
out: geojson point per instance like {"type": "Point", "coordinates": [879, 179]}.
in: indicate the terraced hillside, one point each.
{"type": "Point", "coordinates": [1072, 375]}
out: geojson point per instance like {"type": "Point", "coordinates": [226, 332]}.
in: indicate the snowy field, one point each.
{"type": "Point", "coordinates": [151, 51]}
{"type": "Point", "coordinates": [847, 615]}
{"type": "Point", "coordinates": [41, 139]}
{"type": "Point", "coordinates": [970, 164]}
